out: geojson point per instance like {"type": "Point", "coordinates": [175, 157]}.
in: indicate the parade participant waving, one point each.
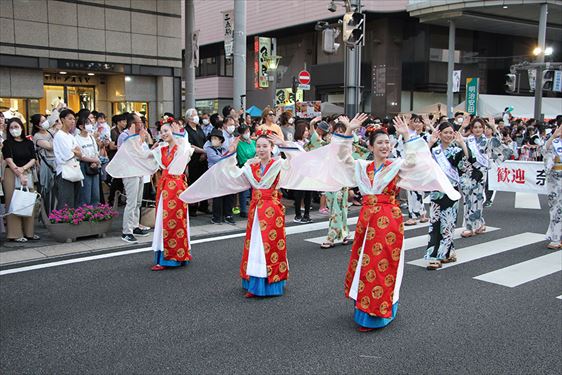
{"type": "Point", "coordinates": [376, 265]}
{"type": "Point", "coordinates": [552, 153]}
{"type": "Point", "coordinates": [474, 177]}
{"type": "Point", "coordinates": [264, 268]}
{"type": "Point", "coordinates": [170, 243]}
{"type": "Point", "coordinates": [443, 213]}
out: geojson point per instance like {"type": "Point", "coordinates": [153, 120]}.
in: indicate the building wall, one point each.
{"type": "Point", "coordinates": [117, 31]}
{"type": "Point", "coordinates": [268, 15]}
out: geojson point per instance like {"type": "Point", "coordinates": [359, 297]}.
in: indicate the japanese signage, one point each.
{"type": "Point", "coordinates": [379, 80]}
{"type": "Point", "coordinates": [228, 18]}
{"type": "Point", "coordinates": [309, 109]}
{"type": "Point", "coordinates": [262, 50]}
{"type": "Point", "coordinates": [518, 176]}
{"type": "Point", "coordinates": [195, 46]}
{"type": "Point", "coordinates": [284, 97]}
{"type": "Point", "coordinates": [557, 82]}
{"type": "Point", "coordinates": [91, 66]}
{"type": "Point", "coordinates": [471, 95]}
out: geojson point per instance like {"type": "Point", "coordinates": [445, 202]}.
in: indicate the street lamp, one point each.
{"type": "Point", "coordinates": [272, 62]}
{"type": "Point", "coordinates": [538, 51]}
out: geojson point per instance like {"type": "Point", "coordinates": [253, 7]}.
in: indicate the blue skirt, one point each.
{"type": "Point", "coordinates": [260, 287]}
{"type": "Point", "coordinates": [368, 321]}
{"type": "Point", "coordinates": [159, 259]}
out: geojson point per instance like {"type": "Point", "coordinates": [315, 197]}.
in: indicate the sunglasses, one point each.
{"type": "Point", "coordinates": [271, 114]}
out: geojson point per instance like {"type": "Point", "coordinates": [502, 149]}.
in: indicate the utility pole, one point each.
{"type": "Point", "coordinates": [352, 67]}
{"type": "Point", "coordinates": [239, 54]}
{"type": "Point", "coordinates": [540, 59]}
{"type": "Point", "coordinates": [450, 67]}
{"type": "Point", "coordinates": [189, 67]}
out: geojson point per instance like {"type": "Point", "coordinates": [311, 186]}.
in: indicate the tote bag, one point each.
{"type": "Point", "coordinates": [22, 202]}
{"type": "Point", "coordinates": [71, 171]}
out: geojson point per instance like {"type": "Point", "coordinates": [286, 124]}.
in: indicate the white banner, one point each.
{"type": "Point", "coordinates": [456, 80]}
{"type": "Point", "coordinates": [228, 17]}
{"type": "Point", "coordinates": [195, 59]}
{"type": "Point", "coordinates": [518, 176]}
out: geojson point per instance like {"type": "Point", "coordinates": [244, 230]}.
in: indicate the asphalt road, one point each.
{"type": "Point", "coordinates": [115, 316]}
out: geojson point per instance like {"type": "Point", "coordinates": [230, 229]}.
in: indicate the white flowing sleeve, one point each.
{"type": "Point", "coordinates": [183, 155]}
{"type": "Point", "coordinates": [328, 168]}
{"type": "Point", "coordinates": [132, 160]}
{"type": "Point", "coordinates": [420, 172]}
{"type": "Point", "coordinates": [223, 178]}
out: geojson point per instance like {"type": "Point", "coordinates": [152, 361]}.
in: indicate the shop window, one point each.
{"type": "Point", "coordinates": [14, 107]}
{"type": "Point", "coordinates": [75, 97]}
{"type": "Point", "coordinates": [140, 107]}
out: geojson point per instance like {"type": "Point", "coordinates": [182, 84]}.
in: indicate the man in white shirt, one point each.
{"type": "Point", "coordinates": [66, 149]}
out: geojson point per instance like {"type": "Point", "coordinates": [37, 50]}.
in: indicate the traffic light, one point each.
{"type": "Point", "coordinates": [548, 80]}
{"type": "Point", "coordinates": [354, 28]}
{"type": "Point", "coordinates": [329, 44]}
{"type": "Point", "coordinates": [510, 83]}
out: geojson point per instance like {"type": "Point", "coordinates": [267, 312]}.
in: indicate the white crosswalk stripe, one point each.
{"type": "Point", "coordinates": [559, 297]}
{"type": "Point", "coordinates": [525, 272]}
{"type": "Point", "coordinates": [485, 249]}
{"type": "Point", "coordinates": [527, 200]}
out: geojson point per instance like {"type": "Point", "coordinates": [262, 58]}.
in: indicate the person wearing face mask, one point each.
{"type": "Point", "coordinates": [286, 121]}
{"type": "Point", "coordinates": [89, 162]}
{"type": "Point", "coordinates": [222, 206]}
{"type": "Point", "coordinates": [245, 151]}
{"type": "Point", "coordinates": [20, 157]}
{"type": "Point", "coordinates": [43, 137]}
{"type": "Point", "coordinates": [206, 125]}
{"type": "Point", "coordinates": [66, 149]}
{"type": "Point", "coordinates": [198, 163]}
{"type": "Point", "coordinates": [228, 131]}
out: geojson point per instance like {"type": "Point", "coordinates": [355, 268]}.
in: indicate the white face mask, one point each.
{"type": "Point", "coordinates": [45, 125]}
{"type": "Point", "coordinates": [230, 129]}
{"type": "Point", "coordinates": [195, 119]}
{"type": "Point", "coordinates": [291, 120]}
{"type": "Point", "coordinates": [15, 132]}
{"type": "Point", "coordinates": [460, 121]}
{"type": "Point", "coordinates": [205, 121]}
{"type": "Point", "coordinates": [246, 136]}
{"type": "Point", "coordinates": [89, 128]}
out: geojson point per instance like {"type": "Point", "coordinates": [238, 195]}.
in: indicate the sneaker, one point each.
{"type": "Point", "coordinates": [324, 211]}
{"type": "Point", "coordinates": [213, 221]}
{"type": "Point", "coordinates": [488, 204]}
{"type": "Point", "coordinates": [235, 210]}
{"type": "Point", "coordinates": [306, 220]}
{"type": "Point", "coordinates": [297, 219]}
{"type": "Point", "coordinates": [229, 220]}
{"type": "Point", "coordinates": [140, 232]}
{"type": "Point", "coordinates": [129, 238]}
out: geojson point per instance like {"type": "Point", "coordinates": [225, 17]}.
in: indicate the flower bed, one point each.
{"type": "Point", "coordinates": [68, 224]}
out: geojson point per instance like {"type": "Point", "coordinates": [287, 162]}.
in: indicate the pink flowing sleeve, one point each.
{"type": "Point", "coordinates": [328, 168]}
{"type": "Point", "coordinates": [221, 179]}
{"type": "Point", "coordinates": [132, 160]}
{"type": "Point", "coordinates": [420, 172]}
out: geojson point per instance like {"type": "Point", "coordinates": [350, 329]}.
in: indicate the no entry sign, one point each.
{"type": "Point", "coordinates": [304, 77]}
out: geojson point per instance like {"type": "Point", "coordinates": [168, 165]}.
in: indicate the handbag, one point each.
{"type": "Point", "coordinates": [23, 202]}
{"type": "Point", "coordinates": [71, 171]}
{"type": "Point", "coordinates": [92, 171]}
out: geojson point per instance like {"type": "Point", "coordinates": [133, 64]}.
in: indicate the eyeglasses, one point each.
{"type": "Point", "coordinates": [271, 114]}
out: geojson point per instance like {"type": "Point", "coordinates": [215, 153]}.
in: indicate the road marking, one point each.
{"type": "Point", "coordinates": [289, 230]}
{"type": "Point", "coordinates": [527, 200]}
{"type": "Point", "coordinates": [559, 297]}
{"type": "Point", "coordinates": [419, 241]}
{"type": "Point", "coordinates": [524, 272]}
{"type": "Point", "coordinates": [320, 240]}
{"type": "Point", "coordinates": [486, 249]}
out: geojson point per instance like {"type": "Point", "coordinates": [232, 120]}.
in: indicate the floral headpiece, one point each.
{"type": "Point", "coordinates": [167, 120]}
{"type": "Point", "coordinates": [264, 132]}
{"type": "Point", "coordinates": [374, 127]}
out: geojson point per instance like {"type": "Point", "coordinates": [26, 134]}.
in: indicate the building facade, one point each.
{"type": "Point", "coordinates": [111, 56]}
{"type": "Point", "coordinates": [403, 62]}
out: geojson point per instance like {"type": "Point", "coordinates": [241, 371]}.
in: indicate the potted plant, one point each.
{"type": "Point", "coordinates": [68, 224]}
